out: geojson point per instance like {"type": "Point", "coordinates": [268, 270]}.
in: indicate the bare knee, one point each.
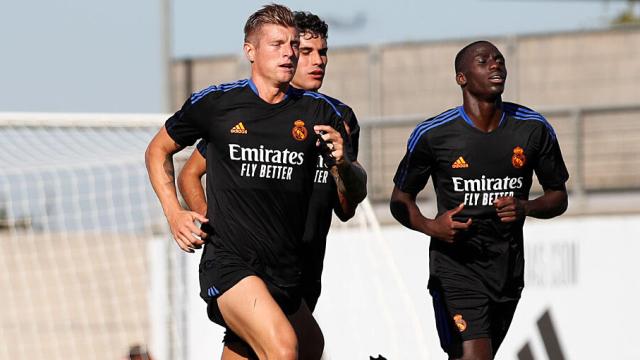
{"type": "Point", "coordinates": [281, 346]}
{"type": "Point", "coordinates": [281, 343]}
{"type": "Point", "coordinates": [284, 346]}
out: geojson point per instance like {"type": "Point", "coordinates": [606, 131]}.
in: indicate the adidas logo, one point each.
{"type": "Point", "coordinates": [460, 164]}
{"type": "Point", "coordinates": [550, 341]}
{"type": "Point", "coordinates": [239, 129]}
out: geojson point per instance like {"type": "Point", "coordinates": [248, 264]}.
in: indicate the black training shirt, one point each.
{"type": "Point", "coordinates": [261, 160]}
{"type": "Point", "coordinates": [472, 167]}
{"type": "Point", "coordinates": [323, 199]}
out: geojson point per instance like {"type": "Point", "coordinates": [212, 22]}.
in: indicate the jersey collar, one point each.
{"type": "Point", "coordinates": [254, 88]}
{"type": "Point", "coordinates": [468, 120]}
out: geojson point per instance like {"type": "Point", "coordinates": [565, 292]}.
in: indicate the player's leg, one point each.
{"type": "Point", "coordinates": [235, 348]}
{"type": "Point", "coordinates": [462, 319]}
{"type": "Point", "coordinates": [450, 340]}
{"type": "Point", "coordinates": [250, 311]}
{"type": "Point", "coordinates": [476, 349]}
{"type": "Point", "coordinates": [237, 351]}
{"type": "Point", "coordinates": [310, 338]}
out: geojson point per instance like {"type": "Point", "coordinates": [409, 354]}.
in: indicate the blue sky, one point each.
{"type": "Point", "coordinates": [106, 56]}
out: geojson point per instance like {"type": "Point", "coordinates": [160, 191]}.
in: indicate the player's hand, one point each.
{"type": "Point", "coordinates": [446, 228]}
{"type": "Point", "coordinates": [332, 140]}
{"type": "Point", "coordinates": [510, 209]}
{"type": "Point", "coordinates": [184, 230]}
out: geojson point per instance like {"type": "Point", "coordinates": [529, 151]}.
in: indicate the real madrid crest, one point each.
{"type": "Point", "coordinates": [460, 322]}
{"type": "Point", "coordinates": [518, 159]}
{"type": "Point", "coordinates": [299, 132]}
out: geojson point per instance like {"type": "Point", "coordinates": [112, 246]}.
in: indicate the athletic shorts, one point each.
{"type": "Point", "coordinates": [463, 314]}
{"type": "Point", "coordinates": [221, 269]}
{"type": "Point", "coordinates": [311, 292]}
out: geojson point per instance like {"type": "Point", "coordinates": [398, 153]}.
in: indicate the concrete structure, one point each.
{"type": "Point", "coordinates": [569, 69]}
{"type": "Point", "coordinates": [585, 82]}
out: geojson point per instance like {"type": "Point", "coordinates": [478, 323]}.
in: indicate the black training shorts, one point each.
{"type": "Point", "coordinates": [463, 314]}
{"type": "Point", "coordinates": [221, 269]}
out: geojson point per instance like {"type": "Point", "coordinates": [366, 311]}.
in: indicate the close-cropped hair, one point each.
{"type": "Point", "coordinates": [311, 25]}
{"type": "Point", "coordinates": [460, 56]}
{"type": "Point", "coordinates": [269, 14]}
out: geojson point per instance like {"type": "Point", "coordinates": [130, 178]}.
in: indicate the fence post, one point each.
{"type": "Point", "coordinates": [375, 82]}
{"type": "Point", "coordinates": [579, 176]}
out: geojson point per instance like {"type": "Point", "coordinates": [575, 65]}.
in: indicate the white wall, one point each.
{"type": "Point", "coordinates": [375, 299]}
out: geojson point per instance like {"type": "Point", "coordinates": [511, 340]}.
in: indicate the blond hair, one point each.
{"type": "Point", "coordinates": [269, 14]}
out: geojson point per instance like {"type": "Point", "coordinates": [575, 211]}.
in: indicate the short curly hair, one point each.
{"type": "Point", "coordinates": [462, 54]}
{"type": "Point", "coordinates": [311, 24]}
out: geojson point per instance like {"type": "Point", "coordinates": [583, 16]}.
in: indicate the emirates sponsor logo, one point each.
{"type": "Point", "coordinates": [484, 191]}
{"type": "Point", "coordinates": [261, 162]}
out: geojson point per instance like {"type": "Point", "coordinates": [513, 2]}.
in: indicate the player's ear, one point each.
{"type": "Point", "coordinates": [249, 51]}
{"type": "Point", "coordinates": [461, 79]}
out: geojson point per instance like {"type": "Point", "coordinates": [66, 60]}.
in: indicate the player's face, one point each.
{"type": "Point", "coordinates": [485, 71]}
{"type": "Point", "coordinates": [311, 62]}
{"type": "Point", "coordinates": [274, 53]}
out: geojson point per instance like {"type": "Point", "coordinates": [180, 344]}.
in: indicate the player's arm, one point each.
{"type": "Point", "coordinates": [551, 204]}
{"type": "Point", "coordinates": [159, 161]}
{"type": "Point", "coordinates": [346, 207]}
{"type": "Point", "coordinates": [410, 178]}
{"type": "Point", "coordinates": [349, 176]}
{"type": "Point", "coordinates": [405, 209]}
{"type": "Point", "coordinates": [190, 182]}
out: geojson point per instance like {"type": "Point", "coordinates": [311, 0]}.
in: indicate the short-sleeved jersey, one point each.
{"type": "Point", "coordinates": [473, 167]}
{"type": "Point", "coordinates": [323, 199]}
{"type": "Point", "coordinates": [260, 168]}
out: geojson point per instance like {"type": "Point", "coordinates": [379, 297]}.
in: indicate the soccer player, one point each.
{"type": "Point", "coordinates": [262, 146]}
{"type": "Point", "coordinates": [326, 196]}
{"type": "Point", "coordinates": [481, 157]}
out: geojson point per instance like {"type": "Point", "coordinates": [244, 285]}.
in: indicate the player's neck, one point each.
{"type": "Point", "coordinates": [270, 91]}
{"type": "Point", "coordinates": [485, 115]}
{"type": "Point", "coordinates": [299, 86]}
